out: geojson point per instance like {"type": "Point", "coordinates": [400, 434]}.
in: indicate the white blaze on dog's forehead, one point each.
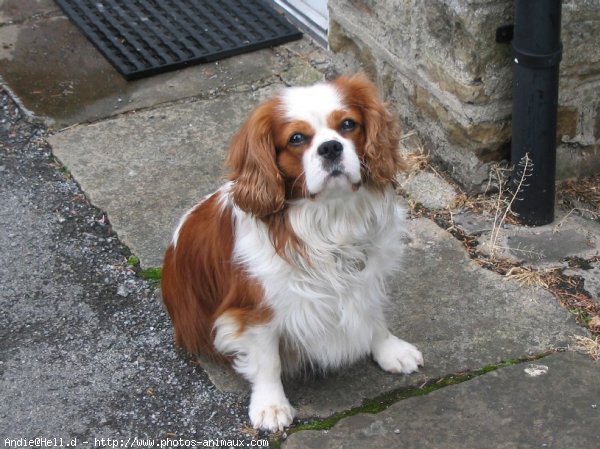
{"type": "Point", "coordinates": [311, 104]}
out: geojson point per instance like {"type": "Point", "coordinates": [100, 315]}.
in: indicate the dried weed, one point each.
{"type": "Point", "coordinates": [415, 157]}
{"type": "Point", "coordinates": [582, 196]}
{"type": "Point", "coordinates": [529, 277]}
{"type": "Point", "coordinates": [587, 345]}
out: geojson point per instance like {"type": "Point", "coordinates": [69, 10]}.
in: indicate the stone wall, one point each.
{"type": "Point", "coordinates": [438, 61]}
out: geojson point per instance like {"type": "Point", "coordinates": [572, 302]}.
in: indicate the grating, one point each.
{"type": "Point", "coordinates": [141, 38]}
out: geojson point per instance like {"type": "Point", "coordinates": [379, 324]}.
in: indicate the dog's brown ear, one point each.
{"type": "Point", "coordinates": [382, 160]}
{"type": "Point", "coordinates": [258, 185]}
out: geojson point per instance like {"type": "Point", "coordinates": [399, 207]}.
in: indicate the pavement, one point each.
{"type": "Point", "coordinates": [95, 169]}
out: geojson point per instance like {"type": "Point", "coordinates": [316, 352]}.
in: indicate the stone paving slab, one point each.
{"type": "Point", "coordinates": [553, 402]}
{"type": "Point", "coordinates": [571, 242]}
{"type": "Point", "coordinates": [462, 317]}
{"type": "Point", "coordinates": [540, 246]}
{"type": "Point", "coordinates": [145, 169]}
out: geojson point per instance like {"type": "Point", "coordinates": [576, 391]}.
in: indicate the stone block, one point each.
{"type": "Point", "coordinates": [576, 161]}
{"type": "Point", "coordinates": [485, 139]}
{"type": "Point", "coordinates": [340, 42]}
{"type": "Point", "coordinates": [428, 189]}
{"type": "Point", "coordinates": [579, 33]}
{"type": "Point", "coordinates": [567, 122]}
{"type": "Point", "coordinates": [440, 63]}
{"type": "Point", "coordinates": [461, 40]}
{"type": "Point", "coordinates": [437, 39]}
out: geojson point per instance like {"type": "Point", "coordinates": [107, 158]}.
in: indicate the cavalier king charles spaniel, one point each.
{"type": "Point", "coordinates": [284, 267]}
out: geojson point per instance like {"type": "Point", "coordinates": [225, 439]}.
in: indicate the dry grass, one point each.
{"type": "Point", "coordinates": [586, 190]}
{"type": "Point", "coordinates": [587, 345]}
{"type": "Point", "coordinates": [414, 155]}
{"type": "Point", "coordinates": [416, 158]}
{"type": "Point", "coordinates": [481, 204]}
{"type": "Point", "coordinates": [529, 277]}
{"type": "Point", "coordinates": [505, 198]}
{"type": "Point", "coordinates": [581, 196]}
{"type": "Point", "coordinates": [569, 290]}
{"type": "Point", "coordinates": [594, 324]}
{"type": "Point", "coordinates": [495, 201]}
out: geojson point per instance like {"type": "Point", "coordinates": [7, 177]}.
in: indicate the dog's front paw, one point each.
{"type": "Point", "coordinates": [397, 356]}
{"type": "Point", "coordinates": [269, 411]}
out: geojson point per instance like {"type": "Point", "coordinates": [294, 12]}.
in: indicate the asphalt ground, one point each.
{"type": "Point", "coordinates": [86, 349]}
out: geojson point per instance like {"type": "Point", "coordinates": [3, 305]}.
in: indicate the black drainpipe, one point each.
{"type": "Point", "coordinates": [537, 51]}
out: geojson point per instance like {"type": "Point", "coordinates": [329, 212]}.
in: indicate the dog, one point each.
{"type": "Point", "coordinates": [283, 268]}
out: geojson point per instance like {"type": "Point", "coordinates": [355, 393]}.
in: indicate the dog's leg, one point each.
{"type": "Point", "coordinates": [393, 354]}
{"type": "Point", "coordinates": [269, 407]}
{"type": "Point", "coordinates": [257, 358]}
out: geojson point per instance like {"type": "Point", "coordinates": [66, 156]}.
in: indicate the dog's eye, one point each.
{"type": "Point", "coordinates": [348, 125]}
{"type": "Point", "coordinates": [297, 139]}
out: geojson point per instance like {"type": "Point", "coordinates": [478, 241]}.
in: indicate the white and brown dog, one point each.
{"type": "Point", "coordinates": [284, 266]}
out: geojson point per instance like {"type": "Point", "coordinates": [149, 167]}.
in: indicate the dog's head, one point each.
{"type": "Point", "coordinates": [312, 142]}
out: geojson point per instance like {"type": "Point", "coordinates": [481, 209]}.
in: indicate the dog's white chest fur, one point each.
{"type": "Point", "coordinates": [327, 306]}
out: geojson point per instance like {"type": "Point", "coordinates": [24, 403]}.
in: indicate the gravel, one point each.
{"type": "Point", "coordinates": [86, 349]}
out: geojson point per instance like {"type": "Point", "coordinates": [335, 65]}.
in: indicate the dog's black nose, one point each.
{"type": "Point", "coordinates": [330, 150]}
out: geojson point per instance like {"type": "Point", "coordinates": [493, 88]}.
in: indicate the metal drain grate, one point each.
{"type": "Point", "coordinates": [141, 38]}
